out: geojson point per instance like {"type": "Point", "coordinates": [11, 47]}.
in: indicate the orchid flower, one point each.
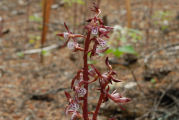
{"type": "Point", "coordinates": [117, 98]}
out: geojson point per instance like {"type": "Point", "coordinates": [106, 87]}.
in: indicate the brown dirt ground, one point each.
{"type": "Point", "coordinates": [21, 78]}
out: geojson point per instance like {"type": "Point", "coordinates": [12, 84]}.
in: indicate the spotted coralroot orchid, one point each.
{"type": "Point", "coordinates": [117, 98]}
{"type": "Point", "coordinates": [73, 45]}
{"type": "Point", "coordinates": [73, 107]}
{"type": "Point", "coordinates": [94, 44]}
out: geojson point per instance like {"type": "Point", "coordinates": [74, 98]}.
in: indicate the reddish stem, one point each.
{"type": "Point", "coordinates": [85, 76]}
{"type": "Point", "coordinates": [98, 106]}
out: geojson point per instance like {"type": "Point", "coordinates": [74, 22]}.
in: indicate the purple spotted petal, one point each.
{"type": "Point", "coordinates": [94, 31]}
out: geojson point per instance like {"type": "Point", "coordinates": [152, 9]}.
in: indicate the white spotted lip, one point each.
{"type": "Point", "coordinates": [94, 31]}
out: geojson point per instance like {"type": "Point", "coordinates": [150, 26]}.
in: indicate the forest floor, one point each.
{"type": "Point", "coordinates": [30, 90]}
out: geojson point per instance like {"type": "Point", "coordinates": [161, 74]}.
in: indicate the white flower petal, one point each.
{"type": "Point", "coordinates": [94, 31]}
{"type": "Point", "coordinates": [66, 35]}
{"type": "Point", "coordinates": [71, 45]}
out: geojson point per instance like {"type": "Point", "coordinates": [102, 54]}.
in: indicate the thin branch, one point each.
{"type": "Point", "coordinates": [146, 59]}
{"type": "Point", "coordinates": [39, 50]}
{"type": "Point", "coordinates": [164, 93]}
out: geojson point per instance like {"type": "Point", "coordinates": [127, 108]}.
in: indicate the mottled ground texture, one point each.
{"type": "Point", "coordinates": [30, 90]}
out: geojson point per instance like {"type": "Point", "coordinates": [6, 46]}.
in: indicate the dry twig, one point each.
{"type": "Point", "coordinates": [39, 50]}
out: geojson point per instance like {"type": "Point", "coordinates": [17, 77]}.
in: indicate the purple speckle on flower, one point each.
{"type": "Point", "coordinates": [71, 45]}
{"type": "Point", "coordinates": [81, 91]}
{"type": "Point", "coordinates": [101, 42]}
{"type": "Point", "coordinates": [74, 107]}
{"type": "Point", "coordinates": [94, 31]}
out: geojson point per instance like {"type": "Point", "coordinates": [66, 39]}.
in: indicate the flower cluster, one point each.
{"type": "Point", "coordinates": [96, 31]}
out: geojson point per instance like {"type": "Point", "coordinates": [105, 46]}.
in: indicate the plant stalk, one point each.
{"type": "Point", "coordinates": [85, 76]}
{"type": "Point", "coordinates": [98, 106]}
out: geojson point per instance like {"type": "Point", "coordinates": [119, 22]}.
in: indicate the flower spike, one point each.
{"type": "Point", "coordinates": [88, 74]}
